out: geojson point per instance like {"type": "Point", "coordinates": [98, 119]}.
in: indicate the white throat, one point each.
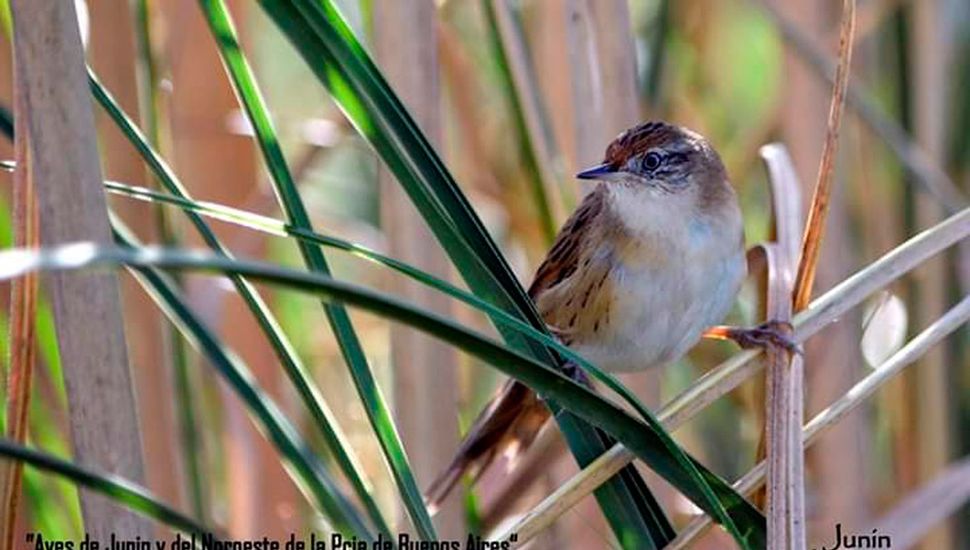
{"type": "Point", "coordinates": [660, 217]}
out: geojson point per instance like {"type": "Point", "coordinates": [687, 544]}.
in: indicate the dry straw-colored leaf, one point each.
{"type": "Point", "coordinates": [815, 225]}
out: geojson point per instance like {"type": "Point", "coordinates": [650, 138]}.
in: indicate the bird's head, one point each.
{"type": "Point", "coordinates": [666, 162]}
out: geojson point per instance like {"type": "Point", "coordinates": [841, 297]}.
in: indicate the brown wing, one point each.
{"type": "Point", "coordinates": [516, 414]}
{"type": "Point", "coordinates": [571, 287]}
{"type": "Point", "coordinates": [564, 257]}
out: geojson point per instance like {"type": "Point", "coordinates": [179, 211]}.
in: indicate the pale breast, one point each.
{"type": "Point", "coordinates": [659, 306]}
{"type": "Point", "coordinates": [631, 282]}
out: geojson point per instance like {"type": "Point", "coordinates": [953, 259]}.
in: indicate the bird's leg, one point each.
{"type": "Point", "coordinates": [775, 334]}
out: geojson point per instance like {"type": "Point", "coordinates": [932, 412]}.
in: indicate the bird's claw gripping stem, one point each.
{"type": "Point", "coordinates": [772, 334]}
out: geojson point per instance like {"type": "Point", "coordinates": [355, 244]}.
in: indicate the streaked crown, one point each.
{"type": "Point", "coordinates": [658, 151]}
{"type": "Point", "coordinates": [667, 158]}
{"type": "Point", "coordinates": [644, 137]}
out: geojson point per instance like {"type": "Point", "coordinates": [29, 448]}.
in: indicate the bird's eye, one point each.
{"type": "Point", "coordinates": [652, 161]}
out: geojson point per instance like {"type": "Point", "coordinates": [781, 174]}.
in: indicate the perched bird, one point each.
{"type": "Point", "coordinates": [652, 257]}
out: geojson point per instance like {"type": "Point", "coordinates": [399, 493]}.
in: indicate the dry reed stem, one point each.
{"type": "Point", "coordinates": [23, 312]}
{"type": "Point", "coordinates": [781, 436]}
{"type": "Point", "coordinates": [66, 173]}
{"type": "Point", "coordinates": [906, 356]}
{"type": "Point", "coordinates": [461, 79]}
{"type": "Point", "coordinates": [815, 226]}
{"type": "Point", "coordinates": [927, 401]}
{"type": "Point", "coordinates": [425, 403]}
{"type": "Point", "coordinates": [729, 374]}
{"type": "Point", "coordinates": [784, 389]}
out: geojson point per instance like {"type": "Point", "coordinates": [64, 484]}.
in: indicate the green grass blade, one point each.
{"type": "Point", "coordinates": [381, 118]}
{"type": "Point", "coordinates": [305, 469]}
{"type": "Point", "coordinates": [529, 147]}
{"type": "Point", "coordinates": [148, 71]}
{"type": "Point", "coordinates": [378, 413]}
{"type": "Point", "coordinates": [281, 345]}
{"type": "Point", "coordinates": [643, 441]}
{"type": "Point", "coordinates": [184, 399]}
{"type": "Point", "coordinates": [327, 44]}
{"type": "Point", "coordinates": [120, 490]}
{"type": "Point", "coordinates": [272, 226]}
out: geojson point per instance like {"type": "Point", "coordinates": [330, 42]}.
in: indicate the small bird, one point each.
{"type": "Point", "coordinates": [652, 257]}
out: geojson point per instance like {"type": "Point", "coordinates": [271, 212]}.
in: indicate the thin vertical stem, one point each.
{"type": "Point", "coordinates": [64, 165]}
{"type": "Point", "coordinates": [23, 342]}
{"type": "Point", "coordinates": [783, 393]}
{"type": "Point", "coordinates": [528, 114]}
{"type": "Point", "coordinates": [815, 225]}
{"type": "Point", "coordinates": [193, 455]}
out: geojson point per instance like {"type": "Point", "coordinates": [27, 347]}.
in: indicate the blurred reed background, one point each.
{"type": "Point", "coordinates": [517, 95]}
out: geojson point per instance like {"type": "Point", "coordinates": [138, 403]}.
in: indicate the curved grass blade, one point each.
{"type": "Point", "coordinates": [378, 413]}
{"type": "Point", "coordinates": [592, 408]}
{"type": "Point", "coordinates": [306, 470]}
{"type": "Point", "coordinates": [326, 42]}
{"type": "Point", "coordinates": [273, 226]}
{"type": "Point", "coordinates": [341, 64]}
{"type": "Point", "coordinates": [319, 32]}
{"type": "Point", "coordinates": [277, 227]}
{"type": "Point", "coordinates": [281, 345]}
{"type": "Point", "coordinates": [124, 492]}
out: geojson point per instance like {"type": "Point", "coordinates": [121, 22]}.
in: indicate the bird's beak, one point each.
{"type": "Point", "coordinates": [598, 172]}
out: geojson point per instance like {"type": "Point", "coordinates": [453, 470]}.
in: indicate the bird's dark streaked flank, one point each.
{"type": "Point", "coordinates": [652, 257]}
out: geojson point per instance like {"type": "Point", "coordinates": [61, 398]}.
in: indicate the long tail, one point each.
{"type": "Point", "coordinates": [507, 425]}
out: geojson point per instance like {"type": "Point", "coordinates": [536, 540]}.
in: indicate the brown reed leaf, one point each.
{"type": "Point", "coordinates": [23, 312]}
{"type": "Point", "coordinates": [815, 225]}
